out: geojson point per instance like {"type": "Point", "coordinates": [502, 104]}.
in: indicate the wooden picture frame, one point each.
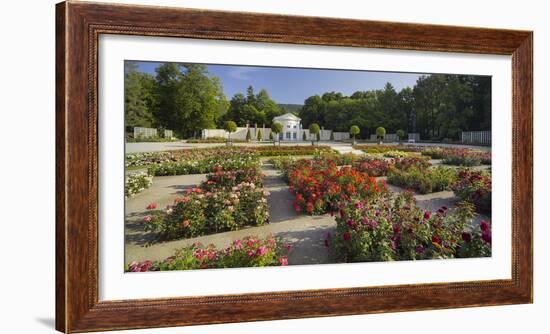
{"type": "Point", "coordinates": [78, 26]}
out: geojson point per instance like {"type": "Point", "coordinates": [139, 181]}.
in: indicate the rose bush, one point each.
{"type": "Point", "coordinates": [226, 161]}
{"type": "Point", "coordinates": [229, 179]}
{"type": "Point", "coordinates": [337, 158]}
{"type": "Point", "coordinates": [459, 156]}
{"type": "Point", "coordinates": [136, 183]}
{"type": "Point", "coordinates": [318, 185]}
{"type": "Point", "coordinates": [397, 154]}
{"type": "Point", "coordinates": [423, 180]}
{"type": "Point", "coordinates": [373, 167]}
{"type": "Point", "coordinates": [391, 227]}
{"type": "Point", "coordinates": [248, 252]}
{"type": "Point", "coordinates": [474, 187]}
{"type": "Point", "coordinates": [404, 164]}
{"type": "Point", "coordinates": [210, 209]}
{"type": "Point", "coordinates": [271, 151]}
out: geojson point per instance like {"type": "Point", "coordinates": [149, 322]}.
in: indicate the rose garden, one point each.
{"type": "Point", "coordinates": [312, 166]}
{"type": "Point", "coordinates": [251, 205]}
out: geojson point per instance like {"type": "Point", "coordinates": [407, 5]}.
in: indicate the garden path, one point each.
{"type": "Point", "coordinates": [346, 149]}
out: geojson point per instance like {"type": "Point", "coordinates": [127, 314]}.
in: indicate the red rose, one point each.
{"type": "Point", "coordinates": [466, 236]}
{"type": "Point", "coordinates": [484, 226]}
{"type": "Point", "coordinates": [346, 236]}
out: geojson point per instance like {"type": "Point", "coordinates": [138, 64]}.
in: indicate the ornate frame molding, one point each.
{"type": "Point", "coordinates": [78, 27]}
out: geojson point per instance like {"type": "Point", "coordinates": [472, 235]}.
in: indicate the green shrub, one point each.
{"type": "Point", "coordinates": [396, 154]}
{"type": "Point", "coordinates": [423, 180]}
{"type": "Point", "coordinates": [474, 187]}
{"type": "Point", "coordinates": [136, 183]}
{"type": "Point", "coordinates": [380, 133]}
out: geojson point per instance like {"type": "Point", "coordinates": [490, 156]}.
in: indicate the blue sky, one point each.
{"type": "Point", "coordinates": [294, 85]}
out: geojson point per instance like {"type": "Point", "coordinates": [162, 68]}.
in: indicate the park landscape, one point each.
{"type": "Point", "coordinates": [378, 174]}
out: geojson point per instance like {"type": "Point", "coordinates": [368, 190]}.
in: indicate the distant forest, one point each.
{"type": "Point", "coordinates": [186, 99]}
{"type": "Point", "coordinates": [292, 108]}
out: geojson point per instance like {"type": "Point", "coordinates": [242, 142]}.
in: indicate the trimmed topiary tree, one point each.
{"type": "Point", "coordinates": [400, 134]}
{"type": "Point", "coordinates": [230, 127]}
{"type": "Point", "coordinates": [277, 128]}
{"type": "Point", "coordinates": [314, 130]}
{"type": "Point", "coordinates": [304, 137]}
{"type": "Point", "coordinates": [380, 133]}
{"type": "Point", "coordinates": [259, 135]}
{"type": "Point", "coordinates": [248, 135]}
{"type": "Point", "coordinates": [331, 135]}
{"type": "Point", "coordinates": [354, 131]}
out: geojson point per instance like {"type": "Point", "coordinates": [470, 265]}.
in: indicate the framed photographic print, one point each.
{"type": "Point", "coordinates": [212, 169]}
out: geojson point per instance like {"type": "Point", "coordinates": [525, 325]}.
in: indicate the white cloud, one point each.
{"type": "Point", "coordinates": [241, 73]}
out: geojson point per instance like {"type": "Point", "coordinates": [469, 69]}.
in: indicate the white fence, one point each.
{"type": "Point", "coordinates": [389, 137]}
{"type": "Point", "coordinates": [141, 132]}
{"type": "Point", "coordinates": [476, 137]}
{"type": "Point", "coordinates": [414, 136]}
{"type": "Point", "coordinates": [240, 134]}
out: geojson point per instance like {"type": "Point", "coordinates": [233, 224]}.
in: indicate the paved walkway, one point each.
{"type": "Point", "coordinates": [343, 148]}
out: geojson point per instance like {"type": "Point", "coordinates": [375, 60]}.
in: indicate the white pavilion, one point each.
{"type": "Point", "coordinates": [292, 127]}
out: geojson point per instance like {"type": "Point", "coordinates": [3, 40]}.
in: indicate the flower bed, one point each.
{"type": "Point", "coordinates": [318, 185]}
{"type": "Point", "coordinates": [227, 200]}
{"type": "Point", "coordinates": [200, 213]}
{"type": "Point", "coordinates": [474, 187]}
{"type": "Point", "coordinates": [404, 164]}
{"type": "Point", "coordinates": [226, 161]}
{"type": "Point", "coordinates": [248, 252]}
{"type": "Point", "coordinates": [221, 179]}
{"type": "Point", "coordinates": [387, 148]}
{"type": "Point", "coordinates": [196, 154]}
{"type": "Point", "coordinates": [136, 183]}
{"type": "Point", "coordinates": [459, 156]}
{"type": "Point", "coordinates": [373, 167]}
{"type": "Point", "coordinates": [337, 158]}
{"type": "Point", "coordinates": [391, 227]}
{"type": "Point", "coordinates": [143, 159]}
{"type": "Point", "coordinates": [218, 140]}
{"type": "Point", "coordinates": [203, 160]}
{"type": "Point", "coordinates": [272, 151]}
{"type": "Point", "coordinates": [396, 154]}
{"type": "Point", "coordinates": [423, 180]}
